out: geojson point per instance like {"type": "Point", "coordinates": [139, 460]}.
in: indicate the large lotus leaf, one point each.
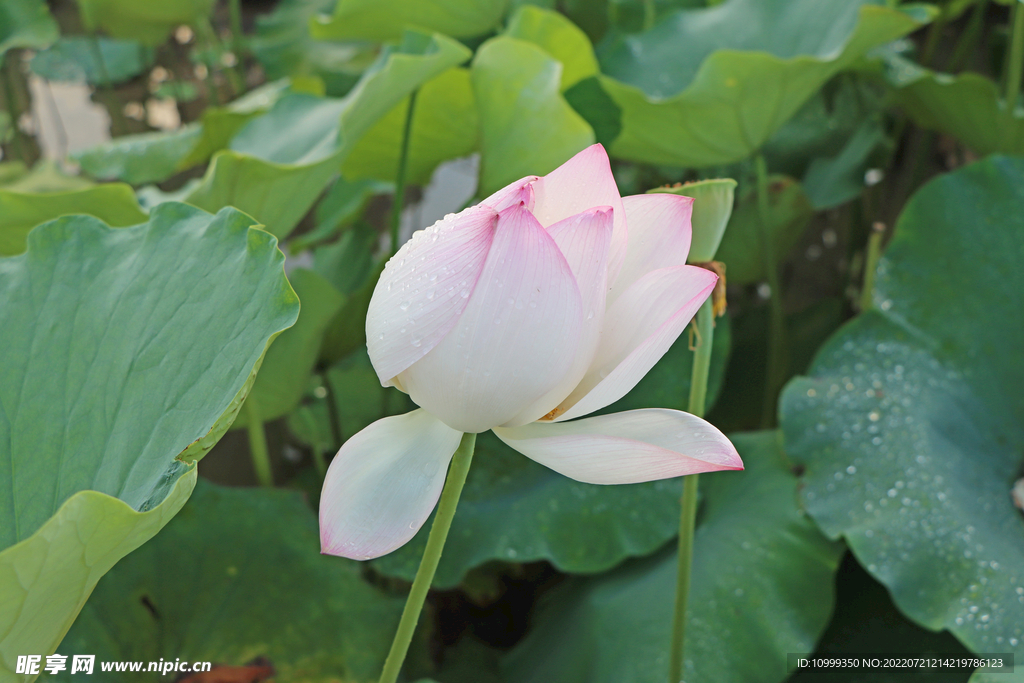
{"type": "Point", "coordinates": [74, 58]}
{"type": "Point", "coordinates": [25, 23]}
{"type": "Point", "coordinates": [386, 19]}
{"type": "Point", "coordinates": [127, 354]}
{"type": "Point", "coordinates": [789, 211]}
{"type": "Point", "coordinates": [513, 509]}
{"type": "Point", "coordinates": [527, 127]}
{"type": "Point", "coordinates": [761, 585]}
{"type": "Point", "coordinates": [560, 38]}
{"type": "Point", "coordinates": [236, 575]}
{"type": "Point", "coordinates": [114, 204]}
{"type": "Point", "coordinates": [710, 86]}
{"type": "Point", "coordinates": [147, 22]}
{"type": "Point", "coordinates": [156, 156]}
{"type": "Point", "coordinates": [283, 45]}
{"type": "Point", "coordinates": [444, 126]}
{"type": "Point", "coordinates": [911, 424]}
{"type": "Point", "coordinates": [968, 106]}
{"type": "Point", "coordinates": [286, 370]}
{"type": "Point", "coordinates": [280, 162]}
{"type": "Point", "coordinates": [142, 158]}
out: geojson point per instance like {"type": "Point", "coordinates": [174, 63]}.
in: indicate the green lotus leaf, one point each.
{"type": "Point", "coordinates": [711, 86]}
{"type": "Point", "coordinates": [142, 158]}
{"type": "Point", "coordinates": [761, 585]}
{"type": "Point", "coordinates": [147, 22]}
{"type": "Point", "coordinates": [204, 591]}
{"type": "Point", "coordinates": [156, 156]}
{"type": "Point", "coordinates": [25, 23]}
{"type": "Point", "coordinates": [560, 38]}
{"type": "Point", "coordinates": [114, 204]}
{"type": "Point", "coordinates": [73, 58]}
{"type": "Point", "coordinates": [386, 19]}
{"type": "Point", "coordinates": [288, 365]}
{"type": "Point", "coordinates": [968, 106]}
{"type": "Point", "coordinates": [127, 353]}
{"type": "Point", "coordinates": [444, 126]}
{"type": "Point", "coordinates": [527, 127]}
{"type": "Point", "coordinates": [789, 211]}
{"type": "Point", "coordinates": [281, 161]}
{"type": "Point", "coordinates": [513, 509]}
{"type": "Point", "coordinates": [831, 181]}
{"type": "Point", "coordinates": [283, 45]}
{"type": "Point", "coordinates": [911, 424]}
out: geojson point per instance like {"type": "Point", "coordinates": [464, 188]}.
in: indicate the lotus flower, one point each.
{"type": "Point", "coordinates": [549, 300]}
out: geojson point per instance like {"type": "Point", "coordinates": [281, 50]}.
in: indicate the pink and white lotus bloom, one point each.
{"type": "Point", "coordinates": [547, 301]}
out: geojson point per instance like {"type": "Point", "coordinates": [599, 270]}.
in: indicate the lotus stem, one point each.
{"type": "Point", "coordinates": [870, 264]}
{"type": "Point", "coordinates": [649, 14]}
{"type": "Point", "coordinates": [257, 442]}
{"type": "Point", "coordinates": [1016, 60]}
{"type": "Point", "coordinates": [688, 516]}
{"type": "Point", "coordinates": [403, 164]}
{"type": "Point", "coordinates": [431, 556]}
{"type": "Point", "coordinates": [774, 369]}
{"type": "Point", "coordinates": [237, 33]}
{"type": "Point", "coordinates": [11, 102]}
{"type": "Point", "coordinates": [969, 38]}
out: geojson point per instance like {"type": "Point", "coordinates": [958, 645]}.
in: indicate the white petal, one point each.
{"type": "Point", "coordinates": [424, 288]}
{"type": "Point", "coordinates": [626, 448]}
{"type": "Point", "coordinates": [383, 483]}
{"type": "Point", "coordinates": [516, 339]}
{"type": "Point", "coordinates": [584, 240]}
{"type": "Point", "coordinates": [583, 182]}
{"type": "Point", "coordinates": [659, 236]}
{"type": "Point", "coordinates": [639, 327]}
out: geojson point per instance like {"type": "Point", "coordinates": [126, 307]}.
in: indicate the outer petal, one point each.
{"type": "Point", "coordinates": [626, 448]}
{"type": "Point", "coordinates": [639, 328]}
{"type": "Point", "coordinates": [513, 193]}
{"type": "Point", "coordinates": [583, 182]}
{"type": "Point", "coordinates": [383, 483]}
{"type": "Point", "coordinates": [516, 339]}
{"type": "Point", "coordinates": [659, 236]}
{"type": "Point", "coordinates": [424, 289]}
{"type": "Point", "coordinates": [584, 240]}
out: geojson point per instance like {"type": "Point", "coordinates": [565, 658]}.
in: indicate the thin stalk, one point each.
{"type": "Point", "coordinates": [1016, 60]}
{"type": "Point", "coordinates": [934, 34]}
{"type": "Point", "coordinates": [431, 556]}
{"type": "Point", "coordinates": [11, 103]}
{"type": "Point", "coordinates": [969, 38]}
{"type": "Point", "coordinates": [319, 461]}
{"type": "Point", "coordinates": [237, 34]}
{"type": "Point", "coordinates": [257, 442]}
{"type": "Point", "coordinates": [871, 263]}
{"type": "Point", "coordinates": [775, 369]}
{"type": "Point", "coordinates": [403, 163]}
{"type": "Point", "coordinates": [649, 14]}
{"type": "Point", "coordinates": [688, 517]}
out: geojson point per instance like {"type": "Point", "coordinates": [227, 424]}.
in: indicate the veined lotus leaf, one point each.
{"type": "Point", "coordinates": [127, 353]}
{"type": "Point", "coordinates": [911, 425]}
{"type": "Point", "coordinates": [710, 86]}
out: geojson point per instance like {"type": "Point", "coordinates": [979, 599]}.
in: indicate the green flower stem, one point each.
{"type": "Point", "coordinates": [431, 556]}
{"type": "Point", "coordinates": [403, 163]}
{"type": "Point", "coordinates": [688, 517]}
{"type": "Point", "coordinates": [11, 102]}
{"type": "Point", "coordinates": [870, 264]}
{"type": "Point", "coordinates": [257, 442]}
{"type": "Point", "coordinates": [649, 14]}
{"type": "Point", "coordinates": [969, 38]}
{"type": "Point", "coordinates": [777, 330]}
{"type": "Point", "coordinates": [237, 34]}
{"type": "Point", "coordinates": [1016, 60]}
